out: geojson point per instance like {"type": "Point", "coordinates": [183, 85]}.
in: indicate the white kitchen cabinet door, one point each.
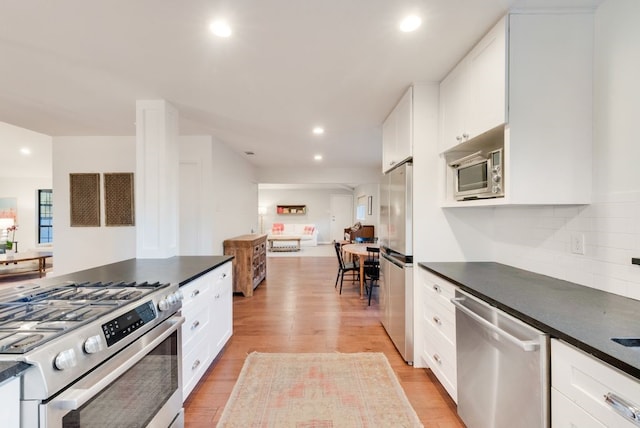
{"type": "Point", "coordinates": [397, 133]}
{"type": "Point", "coordinates": [473, 95]}
{"type": "Point", "coordinates": [487, 78]}
{"type": "Point", "coordinates": [452, 107]}
{"type": "Point", "coordinates": [10, 399]}
{"type": "Point", "coordinates": [388, 141]}
{"type": "Point", "coordinates": [222, 307]}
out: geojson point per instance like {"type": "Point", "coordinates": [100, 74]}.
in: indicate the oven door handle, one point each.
{"type": "Point", "coordinates": [76, 396]}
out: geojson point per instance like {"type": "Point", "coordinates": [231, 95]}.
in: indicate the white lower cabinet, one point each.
{"type": "Point", "coordinates": [208, 311]}
{"type": "Point", "coordinates": [438, 329]}
{"type": "Point", "coordinates": [10, 399]}
{"type": "Point", "coordinates": [580, 385]}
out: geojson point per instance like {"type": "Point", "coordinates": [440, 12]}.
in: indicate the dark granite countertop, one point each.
{"type": "Point", "coordinates": [178, 269]}
{"type": "Point", "coordinates": [585, 317]}
{"type": "Point", "coordinates": [9, 369]}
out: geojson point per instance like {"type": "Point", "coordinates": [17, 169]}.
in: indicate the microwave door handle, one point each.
{"type": "Point", "coordinates": [74, 398]}
{"type": "Point", "coordinates": [457, 162]}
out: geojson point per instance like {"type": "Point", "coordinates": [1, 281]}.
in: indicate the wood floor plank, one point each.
{"type": "Point", "coordinates": [297, 309]}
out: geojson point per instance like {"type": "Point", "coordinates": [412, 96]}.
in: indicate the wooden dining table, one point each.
{"type": "Point", "coordinates": [360, 250]}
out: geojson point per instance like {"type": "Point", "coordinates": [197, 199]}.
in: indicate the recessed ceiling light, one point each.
{"type": "Point", "coordinates": [25, 151]}
{"type": "Point", "coordinates": [410, 23]}
{"type": "Point", "coordinates": [220, 28]}
{"type": "Point", "coordinates": [318, 130]}
{"type": "Point", "coordinates": [249, 153]}
{"type": "Point", "coordinates": [317, 157]}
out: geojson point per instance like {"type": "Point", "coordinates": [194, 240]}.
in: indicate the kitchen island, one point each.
{"type": "Point", "coordinates": [178, 269]}
{"type": "Point", "coordinates": [105, 323]}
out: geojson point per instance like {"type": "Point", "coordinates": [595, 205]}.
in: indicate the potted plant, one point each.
{"type": "Point", "coordinates": [11, 230]}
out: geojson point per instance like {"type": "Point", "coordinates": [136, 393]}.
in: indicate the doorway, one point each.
{"type": "Point", "coordinates": [341, 215]}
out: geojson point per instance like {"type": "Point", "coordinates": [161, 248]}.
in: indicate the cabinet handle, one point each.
{"type": "Point", "coordinates": [195, 365]}
{"type": "Point", "coordinates": [436, 288]}
{"type": "Point", "coordinates": [195, 325]}
{"type": "Point", "coordinates": [623, 407]}
{"type": "Point", "coordinates": [437, 321]}
{"type": "Point", "coordinates": [195, 293]}
{"type": "Point", "coordinates": [437, 358]}
{"type": "Point", "coordinates": [217, 296]}
{"type": "Point", "coordinates": [223, 276]}
{"type": "Point", "coordinates": [459, 138]}
{"type": "Point", "coordinates": [465, 136]}
{"type": "Point", "coordinates": [392, 163]}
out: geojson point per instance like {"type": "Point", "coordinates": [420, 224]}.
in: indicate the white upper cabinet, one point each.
{"type": "Point", "coordinates": [397, 135]}
{"type": "Point", "coordinates": [529, 81]}
{"type": "Point", "coordinates": [472, 96]}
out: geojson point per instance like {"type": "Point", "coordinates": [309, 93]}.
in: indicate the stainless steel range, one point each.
{"type": "Point", "coordinates": [101, 353]}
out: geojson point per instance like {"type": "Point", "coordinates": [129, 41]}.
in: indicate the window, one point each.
{"type": "Point", "coordinates": [45, 216]}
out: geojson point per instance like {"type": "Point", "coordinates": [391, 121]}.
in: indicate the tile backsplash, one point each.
{"type": "Point", "coordinates": [539, 239]}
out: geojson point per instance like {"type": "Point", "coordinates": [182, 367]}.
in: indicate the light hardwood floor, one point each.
{"type": "Point", "coordinates": [297, 309]}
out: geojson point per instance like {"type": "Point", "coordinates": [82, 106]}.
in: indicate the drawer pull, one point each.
{"type": "Point", "coordinates": [437, 358]}
{"type": "Point", "coordinates": [223, 276]}
{"type": "Point", "coordinates": [437, 321]}
{"type": "Point", "coordinates": [195, 365]}
{"type": "Point", "coordinates": [195, 325]}
{"type": "Point", "coordinates": [217, 296]}
{"type": "Point", "coordinates": [195, 293]}
{"type": "Point", "coordinates": [623, 407]}
{"type": "Point", "coordinates": [436, 288]}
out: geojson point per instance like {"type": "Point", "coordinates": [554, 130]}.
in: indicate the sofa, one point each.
{"type": "Point", "coordinates": [308, 233]}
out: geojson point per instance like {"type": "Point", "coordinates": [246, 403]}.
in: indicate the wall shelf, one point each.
{"type": "Point", "coordinates": [291, 209]}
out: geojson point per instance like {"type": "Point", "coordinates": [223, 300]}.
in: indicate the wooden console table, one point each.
{"type": "Point", "coordinates": [249, 263]}
{"type": "Point", "coordinates": [29, 256]}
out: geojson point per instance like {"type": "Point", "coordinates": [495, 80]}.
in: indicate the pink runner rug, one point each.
{"type": "Point", "coordinates": [318, 391]}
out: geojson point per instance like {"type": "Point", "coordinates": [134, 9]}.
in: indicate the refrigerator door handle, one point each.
{"type": "Point", "coordinates": [526, 345]}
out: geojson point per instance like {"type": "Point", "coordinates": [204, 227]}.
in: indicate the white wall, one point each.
{"type": "Point", "coordinates": [316, 200]}
{"type": "Point", "coordinates": [79, 248]}
{"type": "Point", "coordinates": [537, 238]}
{"type": "Point", "coordinates": [234, 191]}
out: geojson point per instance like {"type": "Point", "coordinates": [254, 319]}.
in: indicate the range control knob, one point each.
{"type": "Point", "coordinates": [169, 301]}
{"type": "Point", "coordinates": [66, 360]}
{"type": "Point", "coordinates": [93, 344]}
{"type": "Point", "coordinates": [497, 178]}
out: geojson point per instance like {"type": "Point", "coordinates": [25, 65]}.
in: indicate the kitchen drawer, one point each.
{"type": "Point", "coordinates": [440, 356]}
{"type": "Point", "coordinates": [586, 380]}
{"type": "Point", "coordinates": [196, 321]}
{"type": "Point", "coordinates": [441, 320]}
{"type": "Point", "coordinates": [438, 290]}
{"type": "Point", "coordinates": [197, 291]}
{"type": "Point", "coordinates": [195, 362]}
{"type": "Point", "coordinates": [222, 274]}
{"type": "Point", "coordinates": [566, 414]}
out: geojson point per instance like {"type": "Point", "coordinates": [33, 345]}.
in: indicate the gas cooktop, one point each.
{"type": "Point", "coordinates": [31, 316]}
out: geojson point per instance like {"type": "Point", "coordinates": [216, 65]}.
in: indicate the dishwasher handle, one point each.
{"type": "Point", "coordinates": [526, 345]}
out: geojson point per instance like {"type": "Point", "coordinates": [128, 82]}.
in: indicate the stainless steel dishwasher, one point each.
{"type": "Point", "coordinates": [503, 368]}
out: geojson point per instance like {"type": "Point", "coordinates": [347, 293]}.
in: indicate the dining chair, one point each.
{"type": "Point", "coordinates": [372, 270]}
{"type": "Point", "coordinates": [343, 267]}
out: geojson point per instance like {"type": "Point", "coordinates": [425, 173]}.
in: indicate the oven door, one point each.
{"type": "Point", "coordinates": [138, 387]}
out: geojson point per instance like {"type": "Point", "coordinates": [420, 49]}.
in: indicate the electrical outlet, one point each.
{"type": "Point", "coordinates": [577, 243]}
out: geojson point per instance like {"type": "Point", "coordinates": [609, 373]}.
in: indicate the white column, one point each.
{"type": "Point", "coordinates": [156, 179]}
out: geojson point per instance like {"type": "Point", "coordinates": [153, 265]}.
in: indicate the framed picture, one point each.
{"type": "Point", "coordinates": [84, 197]}
{"type": "Point", "coordinates": [119, 209]}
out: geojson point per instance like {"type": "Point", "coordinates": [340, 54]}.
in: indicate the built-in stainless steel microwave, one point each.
{"type": "Point", "coordinates": [478, 176]}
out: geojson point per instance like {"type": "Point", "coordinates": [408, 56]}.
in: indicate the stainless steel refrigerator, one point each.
{"type": "Point", "coordinates": [396, 258]}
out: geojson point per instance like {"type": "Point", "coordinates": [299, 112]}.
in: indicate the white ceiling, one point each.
{"type": "Point", "coordinates": [77, 67]}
